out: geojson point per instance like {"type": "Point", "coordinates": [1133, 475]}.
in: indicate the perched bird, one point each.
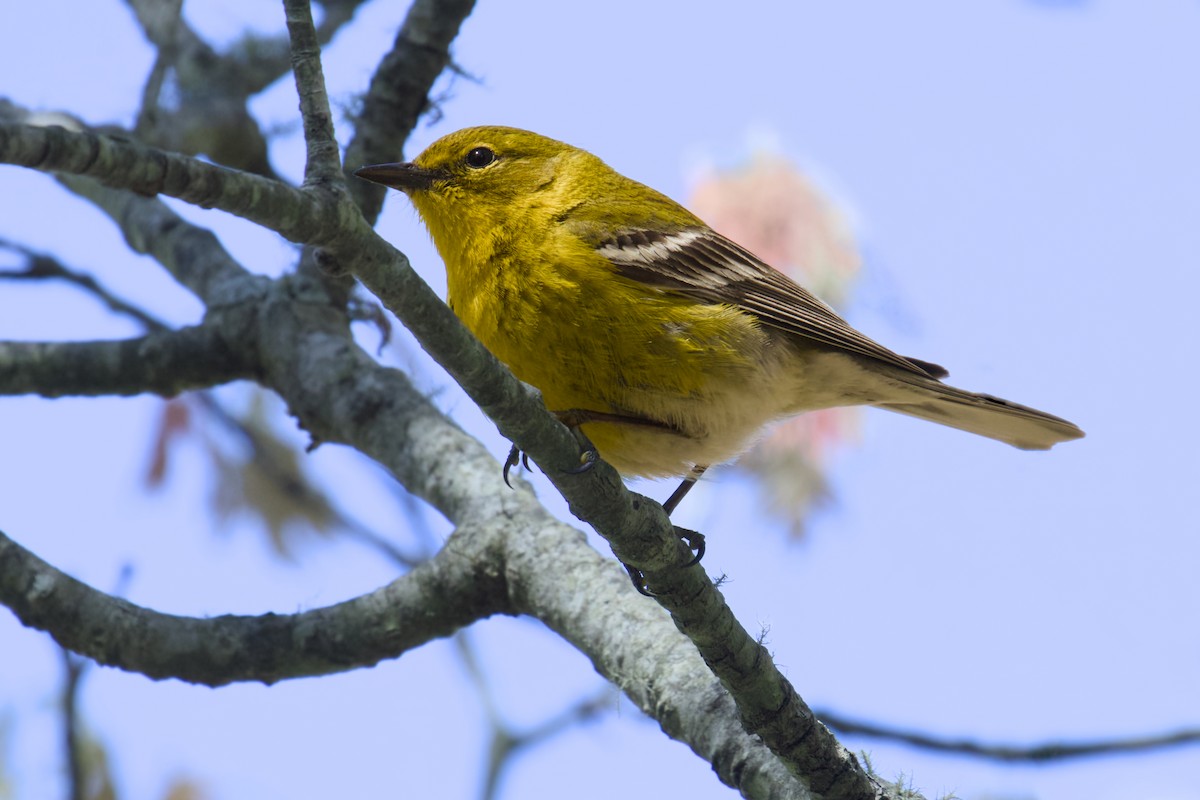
{"type": "Point", "coordinates": [669, 345]}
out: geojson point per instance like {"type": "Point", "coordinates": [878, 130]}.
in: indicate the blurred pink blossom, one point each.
{"type": "Point", "coordinates": [771, 207]}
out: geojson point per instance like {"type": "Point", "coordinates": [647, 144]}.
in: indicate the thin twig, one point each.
{"type": "Point", "coordinates": [508, 745]}
{"type": "Point", "coordinates": [323, 163]}
{"type": "Point", "coordinates": [505, 743]}
{"type": "Point", "coordinates": [74, 668]}
{"type": "Point", "coordinates": [399, 91]}
{"type": "Point", "coordinates": [42, 266]}
{"type": "Point", "coordinates": [1038, 753]}
{"type": "Point", "coordinates": [167, 52]}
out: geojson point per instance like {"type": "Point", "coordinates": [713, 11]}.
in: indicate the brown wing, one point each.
{"type": "Point", "coordinates": [702, 264]}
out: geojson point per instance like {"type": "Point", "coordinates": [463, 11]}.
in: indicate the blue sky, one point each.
{"type": "Point", "coordinates": [1025, 183]}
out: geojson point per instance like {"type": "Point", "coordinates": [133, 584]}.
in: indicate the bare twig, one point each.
{"type": "Point", "coordinates": [42, 266]}
{"type": "Point", "coordinates": [164, 363]}
{"type": "Point", "coordinates": [399, 91]}
{"type": "Point", "coordinates": [1038, 753]}
{"type": "Point", "coordinates": [323, 163]}
{"type": "Point", "coordinates": [74, 670]}
{"type": "Point", "coordinates": [74, 667]}
{"type": "Point", "coordinates": [505, 743]}
{"type": "Point", "coordinates": [164, 33]}
{"type": "Point", "coordinates": [296, 215]}
{"type": "Point", "coordinates": [216, 651]}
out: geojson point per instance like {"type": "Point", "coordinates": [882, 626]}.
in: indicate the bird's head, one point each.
{"type": "Point", "coordinates": [484, 172]}
{"type": "Point", "coordinates": [483, 183]}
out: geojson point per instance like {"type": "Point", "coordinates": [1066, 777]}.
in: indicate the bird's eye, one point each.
{"type": "Point", "coordinates": [480, 157]}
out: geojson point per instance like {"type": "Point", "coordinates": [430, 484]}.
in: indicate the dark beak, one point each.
{"type": "Point", "coordinates": [405, 177]}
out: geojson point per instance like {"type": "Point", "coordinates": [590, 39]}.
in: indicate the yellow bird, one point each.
{"type": "Point", "coordinates": [670, 345]}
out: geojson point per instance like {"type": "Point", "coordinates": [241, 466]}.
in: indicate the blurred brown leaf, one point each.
{"type": "Point", "coordinates": [269, 484]}
{"type": "Point", "coordinates": [256, 473]}
{"type": "Point", "coordinates": [185, 789]}
{"type": "Point", "coordinates": [174, 421]}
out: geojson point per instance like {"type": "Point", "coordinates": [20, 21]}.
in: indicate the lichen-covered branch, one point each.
{"type": "Point", "coordinates": [323, 162]}
{"type": "Point", "coordinates": [455, 588]}
{"type": "Point", "coordinates": [296, 215]}
{"type": "Point", "coordinates": [341, 395]}
{"type": "Point", "coordinates": [191, 254]}
{"type": "Point", "coordinates": [163, 363]}
{"type": "Point", "coordinates": [642, 536]}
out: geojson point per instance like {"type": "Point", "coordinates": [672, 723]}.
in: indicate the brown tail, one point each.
{"type": "Point", "coordinates": [1005, 421]}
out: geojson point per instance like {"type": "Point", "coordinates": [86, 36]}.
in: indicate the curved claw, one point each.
{"type": "Point", "coordinates": [694, 540]}
{"type": "Point", "coordinates": [587, 460]}
{"type": "Point", "coordinates": [514, 457]}
{"type": "Point", "coordinates": [639, 580]}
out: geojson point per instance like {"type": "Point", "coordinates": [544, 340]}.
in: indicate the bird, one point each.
{"type": "Point", "coordinates": [668, 345]}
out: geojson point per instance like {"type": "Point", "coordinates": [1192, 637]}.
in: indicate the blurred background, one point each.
{"type": "Point", "coordinates": [1008, 188]}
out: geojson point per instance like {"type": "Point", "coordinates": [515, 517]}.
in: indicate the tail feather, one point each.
{"type": "Point", "coordinates": [982, 414]}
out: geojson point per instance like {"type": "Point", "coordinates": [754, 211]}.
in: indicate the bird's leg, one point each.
{"type": "Point", "coordinates": [694, 539]}
{"type": "Point", "coordinates": [684, 488]}
{"type": "Point", "coordinates": [574, 418]}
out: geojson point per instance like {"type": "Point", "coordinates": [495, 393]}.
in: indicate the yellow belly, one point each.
{"type": "Point", "coordinates": [708, 373]}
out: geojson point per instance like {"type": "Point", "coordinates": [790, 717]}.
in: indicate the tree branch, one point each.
{"type": "Point", "coordinates": [191, 254]}
{"type": "Point", "coordinates": [453, 589]}
{"type": "Point", "coordinates": [341, 394]}
{"type": "Point", "coordinates": [164, 363]}
{"type": "Point", "coordinates": [640, 534]}
{"type": "Point", "coordinates": [74, 668]}
{"type": "Point", "coordinates": [323, 163]}
{"type": "Point", "coordinates": [211, 114]}
{"type": "Point", "coordinates": [298, 216]}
